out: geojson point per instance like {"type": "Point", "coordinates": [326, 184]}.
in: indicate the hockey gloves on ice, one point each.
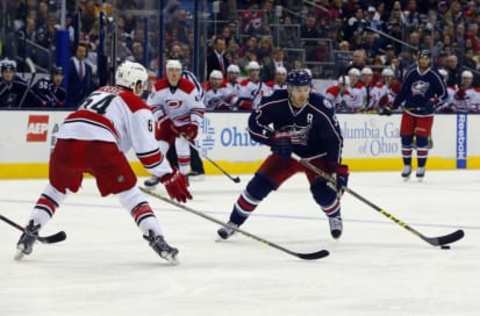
{"type": "Point", "coordinates": [282, 144]}
{"type": "Point", "coordinates": [189, 131]}
{"type": "Point", "coordinates": [176, 185]}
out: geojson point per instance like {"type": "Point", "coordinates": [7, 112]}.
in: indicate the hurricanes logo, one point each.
{"type": "Point", "coordinates": [174, 104]}
{"type": "Point", "coordinates": [420, 87]}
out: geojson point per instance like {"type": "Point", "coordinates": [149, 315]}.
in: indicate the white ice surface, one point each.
{"type": "Point", "coordinates": [377, 268]}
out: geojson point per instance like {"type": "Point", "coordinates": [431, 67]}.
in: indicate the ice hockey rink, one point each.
{"type": "Point", "coordinates": [376, 268]}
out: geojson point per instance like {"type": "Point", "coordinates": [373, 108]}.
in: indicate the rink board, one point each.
{"type": "Point", "coordinates": [371, 142]}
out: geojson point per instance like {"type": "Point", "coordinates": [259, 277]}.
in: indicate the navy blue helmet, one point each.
{"type": "Point", "coordinates": [425, 53]}
{"type": "Point", "coordinates": [299, 77]}
{"type": "Point", "coordinates": [8, 64]}
{"type": "Point", "coordinates": [57, 70]}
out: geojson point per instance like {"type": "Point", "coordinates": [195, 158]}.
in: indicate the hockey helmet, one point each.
{"type": "Point", "coordinates": [467, 74]}
{"type": "Point", "coordinates": [173, 64]}
{"type": "Point", "coordinates": [388, 72]}
{"type": "Point", "coordinates": [233, 69]}
{"type": "Point", "coordinates": [216, 74]}
{"type": "Point", "coordinates": [299, 77]}
{"type": "Point", "coordinates": [253, 65]}
{"type": "Point", "coordinates": [367, 71]}
{"type": "Point", "coordinates": [57, 70]}
{"type": "Point", "coordinates": [129, 74]}
{"type": "Point", "coordinates": [8, 64]}
{"type": "Point", "coordinates": [425, 53]}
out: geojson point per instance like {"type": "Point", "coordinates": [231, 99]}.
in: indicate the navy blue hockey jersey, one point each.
{"type": "Point", "coordinates": [52, 95]}
{"type": "Point", "coordinates": [315, 125]}
{"type": "Point", "coordinates": [420, 91]}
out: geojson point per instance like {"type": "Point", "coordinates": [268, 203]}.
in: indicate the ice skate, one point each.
{"type": "Point", "coordinates": [151, 182]}
{"type": "Point", "coordinates": [336, 225]}
{"type": "Point", "coordinates": [406, 172]}
{"type": "Point", "coordinates": [26, 241]}
{"type": "Point", "coordinates": [225, 232]}
{"type": "Point", "coordinates": [420, 173]}
{"type": "Point", "coordinates": [160, 246]}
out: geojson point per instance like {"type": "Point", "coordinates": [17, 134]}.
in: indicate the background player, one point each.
{"type": "Point", "coordinates": [178, 113]}
{"type": "Point", "coordinates": [93, 140]}
{"type": "Point", "coordinates": [422, 90]}
{"type": "Point", "coordinates": [304, 123]}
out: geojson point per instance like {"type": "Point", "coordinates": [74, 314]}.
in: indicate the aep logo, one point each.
{"type": "Point", "coordinates": [37, 128]}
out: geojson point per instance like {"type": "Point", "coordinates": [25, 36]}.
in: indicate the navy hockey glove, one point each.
{"type": "Point", "coordinates": [282, 144]}
{"type": "Point", "coordinates": [342, 174]}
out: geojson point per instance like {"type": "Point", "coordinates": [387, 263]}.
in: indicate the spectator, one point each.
{"type": "Point", "coordinates": [80, 77]}
{"type": "Point", "coordinates": [454, 71]}
{"type": "Point", "coordinates": [272, 64]}
{"type": "Point", "coordinates": [359, 60]}
{"type": "Point", "coordinates": [216, 60]}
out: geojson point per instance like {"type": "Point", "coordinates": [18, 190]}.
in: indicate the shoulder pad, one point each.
{"type": "Point", "coordinates": [186, 85]}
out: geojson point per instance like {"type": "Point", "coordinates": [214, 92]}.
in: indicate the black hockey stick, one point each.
{"type": "Point", "coordinates": [434, 241]}
{"type": "Point", "coordinates": [234, 179]}
{"type": "Point", "coordinates": [57, 237]}
{"type": "Point", "coordinates": [306, 256]}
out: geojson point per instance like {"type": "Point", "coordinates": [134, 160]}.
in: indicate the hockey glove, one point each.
{"type": "Point", "coordinates": [385, 111]}
{"type": "Point", "coordinates": [176, 186]}
{"type": "Point", "coordinates": [282, 144]}
{"type": "Point", "coordinates": [189, 131]}
{"type": "Point", "coordinates": [342, 174]}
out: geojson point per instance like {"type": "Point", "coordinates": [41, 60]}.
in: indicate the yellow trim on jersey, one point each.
{"type": "Point", "coordinates": [40, 170]}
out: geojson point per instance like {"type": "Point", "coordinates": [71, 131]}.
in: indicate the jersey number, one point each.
{"type": "Point", "coordinates": [99, 106]}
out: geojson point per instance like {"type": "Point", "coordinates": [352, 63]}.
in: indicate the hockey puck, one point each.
{"type": "Point", "coordinates": [445, 247]}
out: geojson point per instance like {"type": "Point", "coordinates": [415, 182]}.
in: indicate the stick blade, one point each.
{"type": "Point", "coordinates": [447, 239]}
{"type": "Point", "coordinates": [314, 255]}
{"type": "Point", "coordinates": [58, 237]}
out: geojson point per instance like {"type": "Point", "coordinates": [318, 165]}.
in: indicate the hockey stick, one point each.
{"type": "Point", "coordinates": [307, 256]}
{"type": "Point", "coordinates": [33, 72]}
{"type": "Point", "coordinates": [57, 237]}
{"type": "Point", "coordinates": [434, 241]}
{"type": "Point", "coordinates": [234, 179]}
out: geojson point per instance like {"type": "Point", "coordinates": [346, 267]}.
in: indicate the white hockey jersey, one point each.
{"type": "Point", "coordinates": [252, 92]}
{"type": "Point", "coordinates": [357, 98]}
{"type": "Point", "coordinates": [215, 98]}
{"type": "Point", "coordinates": [116, 115]}
{"type": "Point", "coordinates": [180, 104]}
{"type": "Point", "coordinates": [337, 97]}
{"type": "Point", "coordinates": [469, 101]}
{"type": "Point", "coordinates": [232, 93]}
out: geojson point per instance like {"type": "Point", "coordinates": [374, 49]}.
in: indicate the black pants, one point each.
{"type": "Point", "coordinates": [195, 163]}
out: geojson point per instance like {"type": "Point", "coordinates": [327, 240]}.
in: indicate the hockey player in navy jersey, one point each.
{"type": "Point", "coordinates": [299, 121]}
{"type": "Point", "coordinates": [51, 90]}
{"type": "Point", "coordinates": [423, 89]}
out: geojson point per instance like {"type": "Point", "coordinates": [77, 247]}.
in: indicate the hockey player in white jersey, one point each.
{"type": "Point", "coordinates": [215, 92]}
{"type": "Point", "coordinates": [466, 98]}
{"type": "Point", "coordinates": [178, 113]}
{"type": "Point", "coordinates": [358, 94]}
{"type": "Point", "coordinates": [252, 89]}
{"type": "Point", "coordinates": [232, 86]}
{"type": "Point", "coordinates": [384, 92]}
{"type": "Point", "coordinates": [447, 106]}
{"type": "Point", "coordinates": [338, 93]}
{"type": "Point", "coordinates": [280, 80]}
{"type": "Point", "coordinates": [94, 140]}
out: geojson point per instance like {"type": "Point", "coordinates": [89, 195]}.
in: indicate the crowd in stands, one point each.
{"type": "Point", "coordinates": [337, 35]}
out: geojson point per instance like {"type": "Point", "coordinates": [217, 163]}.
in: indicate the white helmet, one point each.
{"type": "Point", "coordinates": [388, 72]}
{"type": "Point", "coordinates": [281, 70]}
{"type": "Point", "coordinates": [216, 74]}
{"type": "Point", "coordinates": [129, 74]}
{"type": "Point", "coordinates": [253, 65]}
{"type": "Point", "coordinates": [443, 73]}
{"type": "Point", "coordinates": [345, 80]}
{"type": "Point", "coordinates": [173, 64]}
{"type": "Point", "coordinates": [354, 72]}
{"type": "Point", "coordinates": [367, 71]}
{"type": "Point", "coordinates": [233, 69]}
{"type": "Point", "coordinates": [467, 74]}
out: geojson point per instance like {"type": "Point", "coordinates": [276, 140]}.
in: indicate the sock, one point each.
{"type": "Point", "coordinates": [46, 205]}
{"type": "Point", "coordinates": [184, 164]}
{"type": "Point", "coordinates": [407, 150]}
{"type": "Point", "coordinates": [422, 151]}
{"type": "Point", "coordinates": [134, 201]}
{"type": "Point", "coordinates": [257, 189]}
{"type": "Point", "coordinates": [326, 197]}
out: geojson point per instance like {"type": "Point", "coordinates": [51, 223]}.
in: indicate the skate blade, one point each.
{"type": "Point", "coordinates": [19, 255]}
{"type": "Point", "coordinates": [406, 179]}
